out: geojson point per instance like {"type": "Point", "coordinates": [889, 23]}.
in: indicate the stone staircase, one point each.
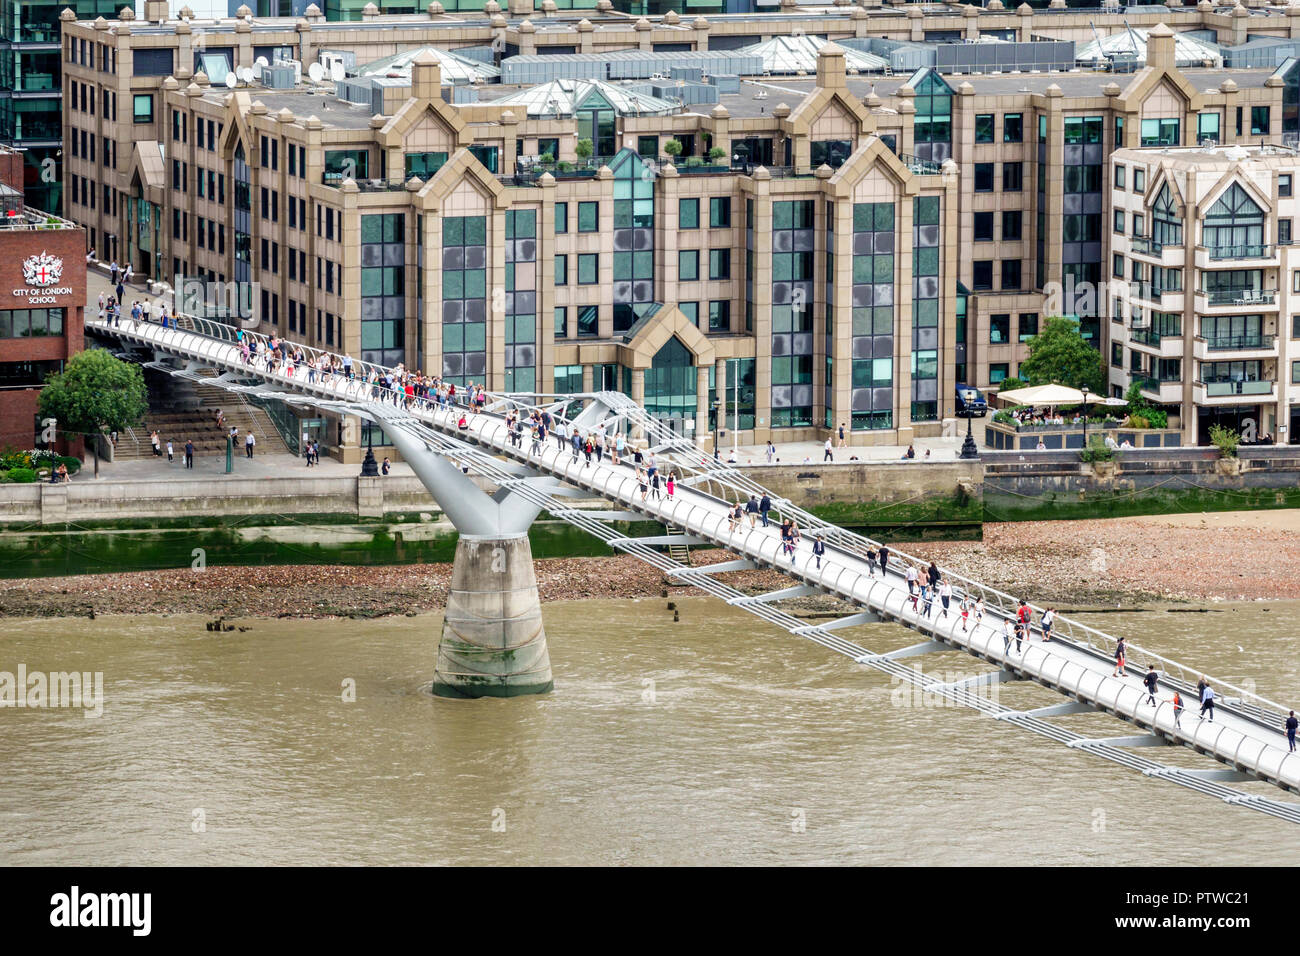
{"type": "Point", "coordinates": [182, 410]}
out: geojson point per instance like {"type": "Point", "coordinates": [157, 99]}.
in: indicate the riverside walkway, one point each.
{"type": "Point", "coordinates": [1245, 739]}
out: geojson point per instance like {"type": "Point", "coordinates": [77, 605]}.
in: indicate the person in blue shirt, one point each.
{"type": "Point", "coordinates": [1291, 724]}
{"type": "Point", "coordinates": [819, 549]}
{"type": "Point", "coordinates": [1207, 701]}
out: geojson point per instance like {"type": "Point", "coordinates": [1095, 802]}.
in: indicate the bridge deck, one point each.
{"type": "Point", "coordinates": [1245, 734]}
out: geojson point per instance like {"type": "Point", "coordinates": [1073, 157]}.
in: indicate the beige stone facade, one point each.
{"type": "Point", "coordinates": [1019, 165]}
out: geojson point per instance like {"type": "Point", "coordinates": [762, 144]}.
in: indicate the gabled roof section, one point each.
{"type": "Point", "coordinates": [461, 167]}
{"type": "Point", "coordinates": [237, 129]}
{"type": "Point", "coordinates": [927, 73]}
{"type": "Point", "coordinates": [873, 153]}
{"type": "Point", "coordinates": [662, 326]}
{"type": "Point", "coordinates": [1147, 80]}
{"type": "Point", "coordinates": [1159, 181]}
{"type": "Point", "coordinates": [1223, 190]}
{"type": "Point", "coordinates": [413, 111]}
{"type": "Point", "coordinates": [801, 118]}
{"type": "Point", "coordinates": [148, 165]}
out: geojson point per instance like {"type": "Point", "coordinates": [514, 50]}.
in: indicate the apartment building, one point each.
{"type": "Point", "coordinates": [1206, 313]}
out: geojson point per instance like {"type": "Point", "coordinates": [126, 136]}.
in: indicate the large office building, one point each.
{"type": "Point", "coordinates": [732, 222]}
{"type": "Point", "coordinates": [31, 86]}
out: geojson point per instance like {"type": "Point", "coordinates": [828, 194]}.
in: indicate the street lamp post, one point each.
{"type": "Point", "coordinates": [1084, 389]}
{"type": "Point", "coordinates": [968, 447]}
{"type": "Point", "coordinates": [714, 406]}
{"type": "Point", "coordinates": [369, 467]}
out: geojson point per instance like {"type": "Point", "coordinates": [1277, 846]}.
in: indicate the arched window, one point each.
{"type": "Point", "coordinates": [1166, 225]}
{"type": "Point", "coordinates": [670, 382]}
{"type": "Point", "coordinates": [1234, 226]}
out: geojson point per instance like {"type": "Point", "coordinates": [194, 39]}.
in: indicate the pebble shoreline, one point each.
{"type": "Point", "coordinates": [1099, 564]}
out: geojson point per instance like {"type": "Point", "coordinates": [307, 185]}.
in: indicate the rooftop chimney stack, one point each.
{"type": "Point", "coordinates": [1160, 47]}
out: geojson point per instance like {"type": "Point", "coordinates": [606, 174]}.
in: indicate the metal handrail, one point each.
{"type": "Point", "coordinates": [684, 455]}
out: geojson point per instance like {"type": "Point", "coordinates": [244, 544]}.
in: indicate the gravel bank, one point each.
{"type": "Point", "coordinates": [1184, 558]}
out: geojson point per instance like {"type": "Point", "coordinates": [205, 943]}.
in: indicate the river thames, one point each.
{"type": "Point", "coordinates": [713, 740]}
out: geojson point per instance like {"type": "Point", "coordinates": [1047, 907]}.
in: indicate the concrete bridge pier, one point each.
{"type": "Point", "coordinates": [493, 643]}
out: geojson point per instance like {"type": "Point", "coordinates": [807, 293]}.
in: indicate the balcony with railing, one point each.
{"type": "Point", "coordinates": [1167, 390]}
{"type": "Point", "coordinates": [1235, 297]}
{"type": "Point", "coordinates": [1249, 251]}
{"type": "Point", "coordinates": [1150, 292]}
{"type": "Point", "coordinates": [1237, 343]}
{"type": "Point", "coordinates": [1152, 336]}
{"type": "Point", "coordinates": [920, 167]}
{"type": "Point", "coordinates": [1228, 392]}
{"type": "Point", "coordinates": [1234, 256]}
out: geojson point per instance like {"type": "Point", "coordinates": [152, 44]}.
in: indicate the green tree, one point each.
{"type": "Point", "coordinates": [717, 153]}
{"type": "Point", "coordinates": [584, 149]}
{"type": "Point", "coordinates": [1010, 384]}
{"type": "Point", "coordinates": [673, 148]}
{"type": "Point", "coordinates": [93, 394]}
{"type": "Point", "coordinates": [1060, 354]}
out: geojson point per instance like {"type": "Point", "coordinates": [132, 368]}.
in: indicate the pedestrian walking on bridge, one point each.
{"type": "Point", "coordinates": [1291, 724]}
{"type": "Point", "coordinates": [1150, 680]}
{"type": "Point", "coordinates": [1207, 700]}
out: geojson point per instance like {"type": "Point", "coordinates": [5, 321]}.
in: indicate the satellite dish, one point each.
{"type": "Point", "coordinates": [336, 71]}
{"type": "Point", "coordinates": [316, 72]}
{"type": "Point", "coordinates": [246, 74]}
{"type": "Point", "coordinates": [230, 81]}
{"type": "Point", "coordinates": [261, 61]}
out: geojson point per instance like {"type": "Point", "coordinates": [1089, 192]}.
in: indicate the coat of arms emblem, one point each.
{"type": "Point", "coordinates": [42, 270]}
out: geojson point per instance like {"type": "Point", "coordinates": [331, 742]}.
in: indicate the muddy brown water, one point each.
{"type": "Point", "coordinates": [715, 739]}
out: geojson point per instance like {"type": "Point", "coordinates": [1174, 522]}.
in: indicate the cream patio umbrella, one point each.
{"type": "Point", "coordinates": [1043, 395]}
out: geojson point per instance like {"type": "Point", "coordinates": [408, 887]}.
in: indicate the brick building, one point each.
{"type": "Point", "coordinates": [42, 301]}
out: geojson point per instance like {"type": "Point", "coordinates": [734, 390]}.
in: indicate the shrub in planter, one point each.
{"type": "Point", "coordinates": [21, 476]}
{"type": "Point", "coordinates": [15, 458]}
{"type": "Point", "coordinates": [1224, 439]}
{"type": "Point", "coordinates": [1097, 451]}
